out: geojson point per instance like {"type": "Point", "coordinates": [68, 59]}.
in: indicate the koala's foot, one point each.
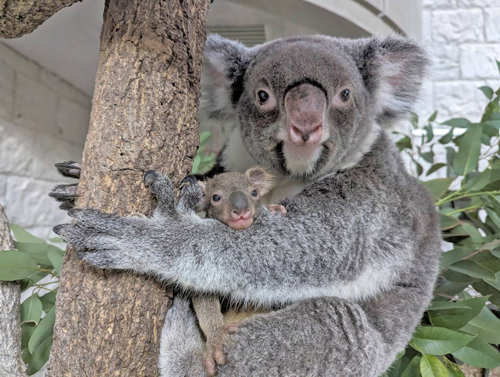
{"type": "Point", "coordinates": [161, 186]}
{"type": "Point", "coordinates": [275, 208]}
{"type": "Point", "coordinates": [213, 355]}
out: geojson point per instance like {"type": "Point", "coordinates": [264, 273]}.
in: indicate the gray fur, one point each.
{"type": "Point", "coordinates": [353, 263]}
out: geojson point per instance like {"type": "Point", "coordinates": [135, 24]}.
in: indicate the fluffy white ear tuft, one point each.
{"type": "Point", "coordinates": [393, 69]}
{"type": "Point", "coordinates": [224, 65]}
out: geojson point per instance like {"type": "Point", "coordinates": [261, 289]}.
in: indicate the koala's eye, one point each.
{"type": "Point", "coordinates": [216, 198]}
{"type": "Point", "coordinates": [254, 193]}
{"type": "Point", "coordinates": [345, 95]}
{"type": "Point", "coordinates": [262, 96]}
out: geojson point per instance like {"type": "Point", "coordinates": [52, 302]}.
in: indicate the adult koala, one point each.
{"type": "Point", "coordinates": [352, 265]}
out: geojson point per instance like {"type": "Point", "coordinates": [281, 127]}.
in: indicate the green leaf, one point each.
{"type": "Point", "coordinates": [404, 143]}
{"type": "Point", "coordinates": [458, 318]}
{"type": "Point", "coordinates": [23, 235]}
{"type": "Point", "coordinates": [477, 180]}
{"type": "Point", "coordinates": [469, 148]}
{"type": "Point", "coordinates": [473, 269]}
{"type": "Point", "coordinates": [448, 222]}
{"type": "Point", "coordinates": [27, 330]}
{"type": "Point", "coordinates": [204, 137]}
{"type": "Point", "coordinates": [434, 168]}
{"type": "Point", "coordinates": [429, 132]}
{"type": "Point", "coordinates": [454, 255]}
{"type": "Point", "coordinates": [31, 309]}
{"type": "Point", "coordinates": [498, 65]}
{"type": "Point", "coordinates": [48, 301]}
{"type": "Point", "coordinates": [453, 369]}
{"type": "Point", "coordinates": [433, 117]}
{"type": "Point", "coordinates": [457, 122]}
{"type": "Point", "coordinates": [447, 305]}
{"type": "Point", "coordinates": [37, 250]}
{"type": "Point", "coordinates": [196, 164]}
{"type": "Point", "coordinates": [448, 137]}
{"type": "Point", "coordinates": [438, 341]}
{"type": "Point", "coordinates": [414, 120]}
{"type": "Point", "coordinates": [56, 240]}
{"type": "Point", "coordinates": [493, 216]}
{"type": "Point", "coordinates": [44, 330]}
{"type": "Point", "coordinates": [16, 265]}
{"type": "Point", "coordinates": [40, 356]}
{"type": "Point", "coordinates": [413, 369]}
{"type": "Point", "coordinates": [488, 92]}
{"type": "Point", "coordinates": [431, 366]}
{"type": "Point", "coordinates": [478, 354]}
{"type": "Point", "coordinates": [486, 325]}
{"type": "Point", "coordinates": [55, 258]}
{"type": "Point", "coordinates": [32, 279]}
{"type": "Point", "coordinates": [428, 156]}
{"type": "Point", "coordinates": [437, 187]}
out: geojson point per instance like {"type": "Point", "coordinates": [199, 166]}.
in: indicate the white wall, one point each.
{"type": "Point", "coordinates": [43, 120]}
{"type": "Point", "coordinates": [464, 38]}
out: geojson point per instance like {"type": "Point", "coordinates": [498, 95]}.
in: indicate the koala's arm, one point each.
{"type": "Point", "coordinates": [324, 246]}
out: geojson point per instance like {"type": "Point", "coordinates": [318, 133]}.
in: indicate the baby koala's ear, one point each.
{"type": "Point", "coordinates": [261, 179]}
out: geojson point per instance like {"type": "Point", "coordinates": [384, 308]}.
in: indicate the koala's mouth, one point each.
{"type": "Point", "coordinates": [240, 224]}
{"type": "Point", "coordinates": [301, 161]}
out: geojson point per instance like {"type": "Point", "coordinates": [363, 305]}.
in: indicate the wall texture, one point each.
{"type": "Point", "coordinates": [43, 120]}
{"type": "Point", "coordinates": [464, 38]}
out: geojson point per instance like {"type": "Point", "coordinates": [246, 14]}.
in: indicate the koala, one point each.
{"type": "Point", "coordinates": [235, 200]}
{"type": "Point", "coordinates": [351, 268]}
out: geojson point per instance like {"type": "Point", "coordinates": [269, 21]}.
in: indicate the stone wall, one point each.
{"type": "Point", "coordinates": [464, 38]}
{"type": "Point", "coordinates": [43, 120]}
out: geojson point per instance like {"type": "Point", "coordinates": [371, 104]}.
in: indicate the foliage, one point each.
{"type": "Point", "coordinates": [205, 158]}
{"type": "Point", "coordinates": [462, 324]}
{"type": "Point", "coordinates": [34, 260]}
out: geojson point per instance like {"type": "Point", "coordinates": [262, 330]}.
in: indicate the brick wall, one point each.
{"type": "Point", "coordinates": [43, 120]}
{"type": "Point", "coordinates": [464, 38]}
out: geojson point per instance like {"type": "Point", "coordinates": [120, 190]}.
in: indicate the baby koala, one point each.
{"type": "Point", "coordinates": [235, 200]}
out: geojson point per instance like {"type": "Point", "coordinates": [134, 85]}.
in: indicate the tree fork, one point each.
{"type": "Point", "coordinates": [143, 117]}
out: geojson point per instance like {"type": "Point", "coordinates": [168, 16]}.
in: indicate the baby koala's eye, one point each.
{"type": "Point", "coordinates": [254, 193]}
{"type": "Point", "coordinates": [345, 95]}
{"type": "Point", "coordinates": [262, 96]}
{"type": "Point", "coordinates": [216, 198]}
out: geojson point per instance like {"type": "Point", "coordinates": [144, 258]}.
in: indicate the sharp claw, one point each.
{"type": "Point", "coordinates": [64, 192]}
{"type": "Point", "coordinates": [67, 205]}
{"type": "Point", "coordinates": [69, 169]}
{"type": "Point", "coordinates": [58, 229]}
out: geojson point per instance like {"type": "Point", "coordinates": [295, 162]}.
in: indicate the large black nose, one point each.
{"type": "Point", "coordinates": [239, 202]}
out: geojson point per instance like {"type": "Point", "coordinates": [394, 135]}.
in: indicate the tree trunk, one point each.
{"type": "Point", "coordinates": [143, 117]}
{"type": "Point", "coordinates": [10, 328]}
{"type": "Point", "coordinates": [21, 17]}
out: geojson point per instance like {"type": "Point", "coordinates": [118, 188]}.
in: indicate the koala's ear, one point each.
{"type": "Point", "coordinates": [261, 179]}
{"type": "Point", "coordinates": [393, 69]}
{"type": "Point", "coordinates": [224, 65]}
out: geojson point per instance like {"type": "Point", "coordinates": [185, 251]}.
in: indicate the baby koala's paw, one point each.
{"type": "Point", "coordinates": [213, 355]}
{"type": "Point", "coordinates": [275, 208]}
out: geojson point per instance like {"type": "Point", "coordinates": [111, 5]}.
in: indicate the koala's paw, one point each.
{"type": "Point", "coordinates": [192, 193]}
{"type": "Point", "coordinates": [277, 208]}
{"type": "Point", "coordinates": [69, 169]}
{"type": "Point", "coordinates": [213, 355]}
{"type": "Point", "coordinates": [161, 186]}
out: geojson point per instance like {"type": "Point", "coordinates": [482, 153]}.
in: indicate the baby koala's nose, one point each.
{"type": "Point", "coordinates": [239, 205]}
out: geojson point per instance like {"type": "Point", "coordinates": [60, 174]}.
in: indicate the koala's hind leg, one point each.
{"type": "Point", "coordinates": [211, 321]}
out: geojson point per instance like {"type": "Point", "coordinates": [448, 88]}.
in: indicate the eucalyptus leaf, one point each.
{"type": "Point", "coordinates": [43, 331]}
{"type": "Point", "coordinates": [488, 92]}
{"type": "Point", "coordinates": [478, 354]}
{"type": "Point", "coordinates": [438, 341]}
{"type": "Point", "coordinates": [413, 368]}
{"type": "Point", "coordinates": [469, 148]}
{"type": "Point", "coordinates": [434, 168]}
{"type": "Point", "coordinates": [431, 366]}
{"type": "Point", "coordinates": [31, 309]}
{"type": "Point", "coordinates": [16, 265]}
{"type": "Point", "coordinates": [438, 187]}
{"type": "Point", "coordinates": [40, 356]}
{"type": "Point", "coordinates": [458, 318]}
{"type": "Point", "coordinates": [473, 269]}
{"type": "Point", "coordinates": [23, 235]}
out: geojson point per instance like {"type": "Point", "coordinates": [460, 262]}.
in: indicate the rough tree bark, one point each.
{"type": "Point", "coordinates": [143, 117]}
{"type": "Point", "coordinates": [11, 363]}
{"type": "Point", "coordinates": [22, 17]}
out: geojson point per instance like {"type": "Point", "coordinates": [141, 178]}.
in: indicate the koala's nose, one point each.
{"type": "Point", "coordinates": [305, 114]}
{"type": "Point", "coordinates": [239, 205]}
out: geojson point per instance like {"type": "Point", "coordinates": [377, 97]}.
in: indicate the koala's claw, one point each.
{"type": "Point", "coordinates": [65, 194]}
{"type": "Point", "coordinates": [189, 180]}
{"type": "Point", "coordinates": [149, 177]}
{"type": "Point", "coordinates": [69, 169]}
